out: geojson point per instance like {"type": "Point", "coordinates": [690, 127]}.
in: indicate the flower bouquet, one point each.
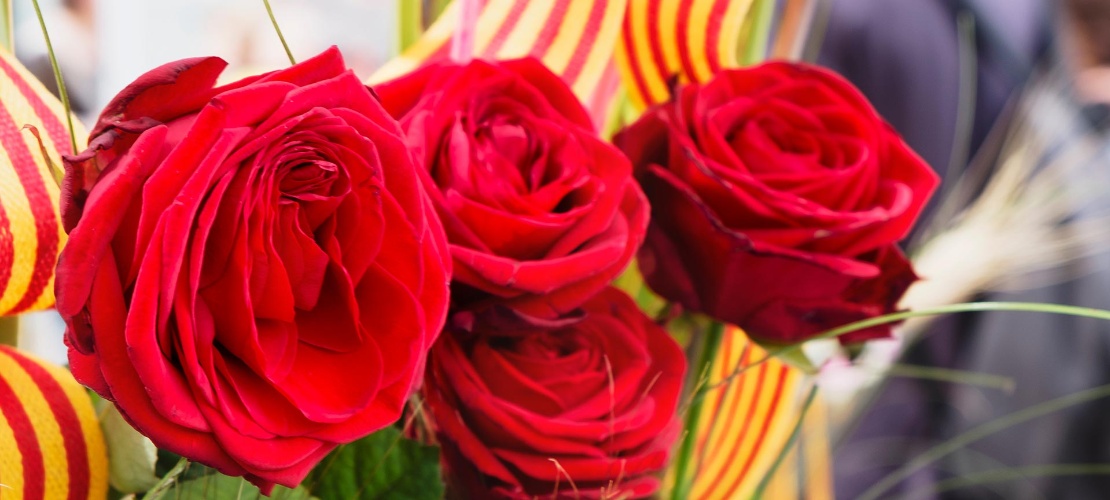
{"type": "Point", "coordinates": [554, 249]}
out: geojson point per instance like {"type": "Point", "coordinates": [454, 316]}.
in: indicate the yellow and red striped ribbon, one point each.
{"type": "Point", "coordinates": [51, 446]}
{"type": "Point", "coordinates": [31, 233]}
{"type": "Point", "coordinates": [689, 40]}
{"type": "Point", "coordinates": [746, 422]}
{"type": "Point", "coordinates": [574, 38]}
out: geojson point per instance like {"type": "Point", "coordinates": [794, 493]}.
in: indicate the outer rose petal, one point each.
{"type": "Point", "coordinates": [242, 256]}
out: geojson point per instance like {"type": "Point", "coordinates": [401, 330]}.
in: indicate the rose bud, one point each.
{"type": "Point", "coordinates": [778, 195]}
{"type": "Point", "coordinates": [540, 213]}
{"type": "Point", "coordinates": [526, 412]}
{"type": "Point", "coordinates": [254, 274]}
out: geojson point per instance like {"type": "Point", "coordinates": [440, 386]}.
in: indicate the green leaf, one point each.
{"type": "Point", "coordinates": [221, 487]}
{"type": "Point", "coordinates": [383, 465]}
{"type": "Point", "coordinates": [131, 456]}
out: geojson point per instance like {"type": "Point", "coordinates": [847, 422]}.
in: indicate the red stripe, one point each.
{"type": "Point", "coordinates": [505, 29]}
{"type": "Point", "coordinates": [34, 474]}
{"type": "Point", "coordinates": [7, 250]}
{"type": "Point", "coordinates": [547, 34]}
{"type": "Point", "coordinates": [735, 450]}
{"type": "Point", "coordinates": [73, 437]}
{"type": "Point", "coordinates": [721, 393]}
{"type": "Point", "coordinates": [599, 103]}
{"type": "Point", "coordinates": [633, 63]}
{"type": "Point", "coordinates": [42, 208]}
{"type": "Point", "coordinates": [783, 371]}
{"type": "Point", "coordinates": [586, 43]}
{"type": "Point", "coordinates": [681, 38]}
{"type": "Point", "coordinates": [54, 126]}
{"type": "Point", "coordinates": [713, 34]}
{"type": "Point", "coordinates": [737, 397]}
{"type": "Point", "coordinates": [654, 23]}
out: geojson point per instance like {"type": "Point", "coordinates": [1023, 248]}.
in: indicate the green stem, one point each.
{"type": "Point", "coordinates": [786, 447]}
{"type": "Point", "coordinates": [886, 319]}
{"type": "Point", "coordinates": [7, 26]}
{"type": "Point", "coordinates": [761, 14]}
{"type": "Point", "coordinates": [159, 490]}
{"type": "Point", "coordinates": [709, 347]}
{"type": "Point", "coordinates": [277, 28]}
{"type": "Point", "coordinates": [432, 10]}
{"type": "Point", "coordinates": [410, 23]}
{"type": "Point", "coordinates": [1015, 473]}
{"type": "Point", "coordinates": [9, 331]}
{"type": "Point", "coordinates": [940, 451]}
{"type": "Point", "coordinates": [988, 380]}
{"type": "Point", "coordinates": [57, 77]}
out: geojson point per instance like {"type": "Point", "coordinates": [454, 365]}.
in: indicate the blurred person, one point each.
{"type": "Point", "coordinates": [72, 33]}
{"type": "Point", "coordinates": [909, 71]}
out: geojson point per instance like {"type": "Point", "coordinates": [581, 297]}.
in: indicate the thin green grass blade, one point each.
{"type": "Point", "coordinates": [57, 77]}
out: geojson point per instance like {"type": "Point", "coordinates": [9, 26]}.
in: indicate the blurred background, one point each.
{"type": "Point", "coordinates": [1008, 100]}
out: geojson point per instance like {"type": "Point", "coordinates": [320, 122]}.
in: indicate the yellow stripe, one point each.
{"type": "Point", "coordinates": [11, 462]}
{"type": "Point", "coordinates": [523, 36]}
{"type": "Point", "coordinates": [565, 43]}
{"type": "Point", "coordinates": [438, 34]}
{"type": "Point", "coordinates": [602, 51]}
{"type": "Point", "coordinates": [637, 99]}
{"type": "Point", "coordinates": [653, 76]}
{"type": "Point", "coordinates": [722, 425]}
{"type": "Point", "coordinates": [817, 453]}
{"type": "Point", "coordinates": [728, 43]}
{"type": "Point", "coordinates": [695, 40]}
{"type": "Point", "coordinates": [667, 31]}
{"type": "Point", "coordinates": [18, 210]}
{"type": "Point", "coordinates": [492, 17]}
{"type": "Point", "coordinates": [47, 432]}
{"type": "Point", "coordinates": [718, 471]}
{"type": "Point", "coordinates": [90, 427]}
{"type": "Point", "coordinates": [781, 422]}
{"type": "Point", "coordinates": [22, 226]}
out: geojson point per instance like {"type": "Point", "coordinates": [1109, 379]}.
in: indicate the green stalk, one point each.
{"type": "Point", "coordinates": [159, 490]}
{"type": "Point", "coordinates": [986, 380]}
{"type": "Point", "coordinates": [432, 10]}
{"type": "Point", "coordinates": [711, 343]}
{"type": "Point", "coordinates": [755, 47]}
{"type": "Point", "coordinates": [999, 424]}
{"type": "Point", "coordinates": [7, 27]}
{"type": "Point", "coordinates": [786, 447]}
{"type": "Point", "coordinates": [9, 331]}
{"type": "Point", "coordinates": [1014, 473]}
{"type": "Point", "coordinates": [277, 28]}
{"type": "Point", "coordinates": [57, 77]}
{"type": "Point", "coordinates": [410, 23]}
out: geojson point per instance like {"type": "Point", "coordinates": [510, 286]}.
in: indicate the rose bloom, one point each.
{"type": "Point", "coordinates": [540, 213]}
{"type": "Point", "coordinates": [522, 412]}
{"type": "Point", "coordinates": [253, 273]}
{"type": "Point", "coordinates": [778, 194]}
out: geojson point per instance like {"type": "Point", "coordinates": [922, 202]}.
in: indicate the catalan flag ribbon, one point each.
{"type": "Point", "coordinates": [746, 421]}
{"type": "Point", "coordinates": [51, 446]}
{"type": "Point", "coordinates": [664, 41]}
{"type": "Point", "coordinates": [30, 230]}
{"type": "Point", "coordinates": [574, 38]}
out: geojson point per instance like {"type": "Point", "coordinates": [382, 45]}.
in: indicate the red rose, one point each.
{"type": "Point", "coordinates": [253, 273]}
{"type": "Point", "coordinates": [523, 413]}
{"type": "Point", "coordinates": [540, 213]}
{"type": "Point", "coordinates": [778, 195]}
